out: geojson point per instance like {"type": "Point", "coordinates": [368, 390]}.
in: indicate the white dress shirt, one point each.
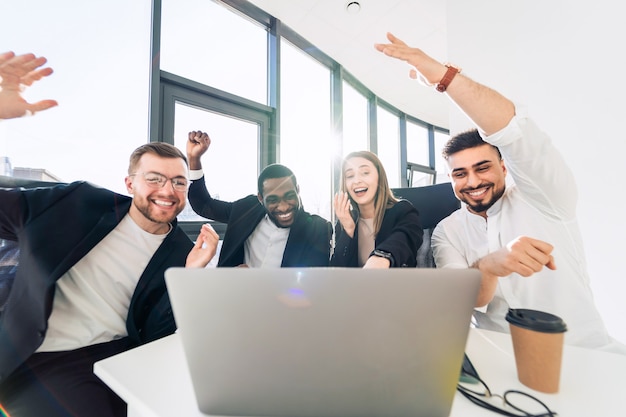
{"type": "Point", "coordinates": [264, 248]}
{"type": "Point", "coordinates": [541, 203]}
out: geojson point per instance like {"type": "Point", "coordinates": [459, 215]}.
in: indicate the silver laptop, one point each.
{"type": "Point", "coordinates": [322, 342]}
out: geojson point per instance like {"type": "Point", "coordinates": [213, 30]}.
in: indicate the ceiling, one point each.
{"type": "Point", "coordinates": [349, 39]}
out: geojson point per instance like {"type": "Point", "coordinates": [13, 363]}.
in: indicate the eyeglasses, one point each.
{"type": "Point", "coordinates": [156, 180]}
{"type": "Point", "coordinates": [514, 403]}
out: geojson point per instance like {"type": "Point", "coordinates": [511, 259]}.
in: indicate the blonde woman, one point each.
{"type": "Point", "coordinates": [374, 229]}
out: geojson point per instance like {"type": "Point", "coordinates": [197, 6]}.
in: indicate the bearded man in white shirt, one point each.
{"type": "Point", "coordinates": [523, 237]}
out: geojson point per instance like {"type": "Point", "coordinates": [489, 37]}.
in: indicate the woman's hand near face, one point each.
{"type": "Point", "coordinates": [341, 204]}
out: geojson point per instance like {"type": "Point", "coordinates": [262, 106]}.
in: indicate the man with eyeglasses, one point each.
{"type": "Point", "coordinates": [90, 280]}
{"type": "Point", "coordinates": [515, 235]}
{"type": "Point", "coordinates": [269, 229]}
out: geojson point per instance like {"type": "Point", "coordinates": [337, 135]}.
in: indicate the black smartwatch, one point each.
{"type": "Point", "coordinates": [383, 254]}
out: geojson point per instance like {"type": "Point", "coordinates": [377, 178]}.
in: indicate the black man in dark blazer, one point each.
{"type": "Point", "coordinates": [270, 229]}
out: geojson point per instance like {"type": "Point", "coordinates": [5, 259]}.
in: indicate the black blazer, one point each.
{"type": "Point", "coordinates": [56, 227]}
{"type": "Point", "coordinates": [309, 238]}
{"type": "Point", "coordinates": [400, 234]}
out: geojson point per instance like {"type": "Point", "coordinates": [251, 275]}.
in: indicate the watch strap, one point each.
{"type": "Point", "coordinates": [451, 72]}
{"type": "Point", "coordinates": [384, 254]}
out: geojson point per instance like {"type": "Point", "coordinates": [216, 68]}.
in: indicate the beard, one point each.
{"type": "Point", "coordinates": [273, 215]}
{"type": "Point", "coordinates": [482, 206]}
{"type": "Point", "coordinates": [151, 213]}
{"type": "Point", "coordinates": [274, 218]}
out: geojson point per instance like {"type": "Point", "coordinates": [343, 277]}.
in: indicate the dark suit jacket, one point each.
{"type": "Point", "coordinates": [309, 238]}
{"type": "Point", "coordinates": [55, 228]}
{"type": "Point", "coordinates": [400, 234]}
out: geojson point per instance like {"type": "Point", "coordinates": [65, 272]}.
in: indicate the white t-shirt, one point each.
{"type": "Point", "coordinates": [91, 300]}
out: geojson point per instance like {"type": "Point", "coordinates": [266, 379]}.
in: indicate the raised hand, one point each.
{"type": "Point", "coordinates": [197, 144]}
{"type": "Point", "coordinates": [16, 73]}
{"type": "Point", "coordinates": [426, 69]}
{"type": "Point", "coordinates": [341, 204]}
{"type": "Point", "coordinates": [489, 110]}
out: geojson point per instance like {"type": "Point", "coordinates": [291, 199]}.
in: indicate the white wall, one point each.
{"type": "Point", "coordinates": [565, 61]}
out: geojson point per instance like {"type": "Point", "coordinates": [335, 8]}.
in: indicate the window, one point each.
{"type": "Point", "coordinates": [417, 146]}
{"type": "Point", "coordinates": [105, 107]}
{"type": "Point", "coordinates": [389, 145]}
{"type": "Point", "coordinates": [206, 42]}
{"type": "Point", "coordinates": [355, 132]}
{"type": "Point", "coordinates": [291, 87]}
{"type": "Point", "coordinates": [101, 81]}
{"type": "Point", "coordinates": [239, 134]}
{"type": "Point", "coordinates": [440, 164]}
{"type": "Point", "coordinates": [305, 128]}
{"type": "Point", "coordinates": [103, 112]}
{"type": "Point", "coordinates": [419, 171]}
{"type": "Point", "coordinates": [227, 179]}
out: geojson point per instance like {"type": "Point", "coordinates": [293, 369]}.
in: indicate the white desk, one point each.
{"type": "Point", "coordinates": [153, 379]}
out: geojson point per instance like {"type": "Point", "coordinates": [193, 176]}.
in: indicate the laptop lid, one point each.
{"type": "Point", "coordinates": [318, 342]}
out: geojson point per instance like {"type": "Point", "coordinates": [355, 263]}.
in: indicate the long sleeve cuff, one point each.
{"type": "Point", "coordinates": [195, 174]}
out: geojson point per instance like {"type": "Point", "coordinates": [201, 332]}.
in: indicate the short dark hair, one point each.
{"type": "Point", "coordinates": [465, 140]}
{"type": "Point", "coordinates": [275, 171]}
{"type": "Point", "coordinates": [162, 149]}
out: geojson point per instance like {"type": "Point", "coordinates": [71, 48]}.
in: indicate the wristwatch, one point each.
{"type": "Point", "coordinates": [448, 77]}
{"type": "Point", "coordinates": [383, 254]}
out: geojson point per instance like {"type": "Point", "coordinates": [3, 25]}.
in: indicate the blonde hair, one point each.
{"type": "Point", "coordinates": [384, 196]}
{"type": "Point", "coordinates": [162, 149]}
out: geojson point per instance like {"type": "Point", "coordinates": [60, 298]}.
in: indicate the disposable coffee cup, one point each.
{"type": "Point", "coordinates": [538, 346]}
